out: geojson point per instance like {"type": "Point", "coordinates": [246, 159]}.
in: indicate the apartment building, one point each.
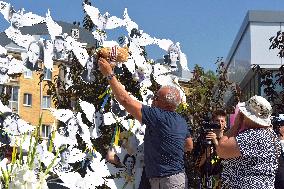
{"type": "Point", "coordinates": [29, 96]}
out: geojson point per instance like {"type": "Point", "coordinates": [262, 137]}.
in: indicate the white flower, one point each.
{"type": "Point", "coordinates": [41, 183]}
{"type": "Point", "coordinates": [23, 178]}
{"type": "Point", "coordinates": [3, 164]}
{"type": "Point", "coordinates": [29, 176]}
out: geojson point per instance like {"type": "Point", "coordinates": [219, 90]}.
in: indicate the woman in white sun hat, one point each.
{"type": "Point", "coordinates": [250, 149]}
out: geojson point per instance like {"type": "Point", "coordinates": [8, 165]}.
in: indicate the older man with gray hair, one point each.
{"type": "Point", "coordinates": [166, 136]}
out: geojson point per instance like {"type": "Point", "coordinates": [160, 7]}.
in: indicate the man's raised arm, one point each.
{"type": "Point", "coordinates": [121, 95]}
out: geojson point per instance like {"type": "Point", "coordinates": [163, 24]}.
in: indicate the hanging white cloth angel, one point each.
{"type": "Point", "coordinates": [4, 68]}
{"type": "Point", "coordinates": [142, 75]}
{"type": "Point", "coordinates": [161, 75]}
{"type": "Point", "coordinates": [3, 51]}
{"type": "Point", "coordinates": [95, 117]}
{"type": "Point", "coordinates": [74, 125]}
{"type": "Point", "coordinates": [53, 28]}
{"type": "Point", "coordinates": [13, 125]}
{"type": "Point", "coordinates": [20, 39]}
{"type": "Point", "coordinates": [78, 49]}
{"type": "Point", "coordinates": [102, 22]}
{"type": "Point", "coordinates": [129, 174]}
{"type": "Point", "coordinates": [19, 18]}
{"type": "Point", "coordinates": [100, 171]}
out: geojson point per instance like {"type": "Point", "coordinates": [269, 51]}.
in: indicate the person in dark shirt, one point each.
{"type": "Point", "coordinates": [166, 136]}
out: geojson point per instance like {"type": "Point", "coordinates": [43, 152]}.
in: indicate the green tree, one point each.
{"type": "Point", "coordinates": [207, 91]}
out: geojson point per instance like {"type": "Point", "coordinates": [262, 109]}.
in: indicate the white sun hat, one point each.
{"type": "Point", "coordinates": [258, 110]}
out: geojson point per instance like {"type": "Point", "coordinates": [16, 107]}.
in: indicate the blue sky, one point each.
{"type": "Point", "coordinates": [205, 28]}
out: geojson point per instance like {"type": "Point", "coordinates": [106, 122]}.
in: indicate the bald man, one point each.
{"type": "Point", "coordinates": [166, 136]}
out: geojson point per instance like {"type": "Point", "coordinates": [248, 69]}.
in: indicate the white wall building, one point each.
{"type": "Point", "coordinates": [251, 47]}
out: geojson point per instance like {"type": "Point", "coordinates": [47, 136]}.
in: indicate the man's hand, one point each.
{"type": "Point", "coordinates": [105, 67]}
{"type": "Point", "coordinates": [112, 157]}
{"type": "Point", "coordinates": [212, 136]}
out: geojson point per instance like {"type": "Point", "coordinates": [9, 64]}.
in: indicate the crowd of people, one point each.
{"type": "Point", "coordinates": [247, 155]}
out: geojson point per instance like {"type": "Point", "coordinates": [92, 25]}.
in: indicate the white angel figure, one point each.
{"type": "Point", "coordinates": [53, 28]}
{"type": "Point", "coordinates": [19, 18]}
{"type": "Point", "coordinates": [127, 169]}
{"type": "Point", "coordinates": [3, 51]}
{"type": "Point", "coordinates": [15, 65]}
{"type": "Point", "coordinates": [129, 24]}
{"type": "Point", "coordinates": [4, 68]}
{"type": "Point", "coordinates": [142, 75]}
{"type": "Point", "coordinates": [137, 36]}
{"type": "Point", "coordinates": [13, 125]}
{"type": "Point", "coordinates": [102, 22]}
{"type": "Point", "coordinates": [162, 75]}
{"type": "Point", "coordinates": [147, 96]}
{"type": "Point", "coordinates": [19, 38]}
{"type": "Point", "coordinates": [73, 125]}
{"type": "Point", "coordinates": [99, 168]}
{"type": "Point", "coordinates": [92, 178]}
{"type": "Point", "coordinates": [78, 49]}
{"type": "Point", "coordinates": [95, 117]}
{"type": "Point", "coordinates": [5, 9]}
{"type": "Point", "coordinates": [48, 54]}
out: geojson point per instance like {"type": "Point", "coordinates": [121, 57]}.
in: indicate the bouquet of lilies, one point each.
{"type": "Point", "coordinates": [25, 172]}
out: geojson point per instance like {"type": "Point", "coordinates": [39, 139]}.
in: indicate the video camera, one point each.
{"type": "Point", "coordinates": [208, 126]}
{"type": "Point", "coordinates": [277, 121]}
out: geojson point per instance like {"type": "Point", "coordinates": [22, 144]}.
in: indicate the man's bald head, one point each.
{"type": "Point", "coordinates": [167, 97]}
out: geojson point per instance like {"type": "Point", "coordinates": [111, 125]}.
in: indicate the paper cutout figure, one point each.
{"type": "Point", "coordinates": [60, 52]}
{"type": "Point", "coordinates": [19, 18]}
{"type": "Point", "coordinates": [117, 109]}
{"type": "Point", "coordinates": [54, 29]}
{"type": "Point", "coordinates": [102, 22]}
{"type": "Point", "coordinates": [16, 36]}
{"type": "Point", "coordinates": [95, 117]}
{"type": "Point", "coordinates": [13, 125]}
{"type": "Point", "coordinates": [15, 18]}
{"type": "Point", "coordinates": [4, 68]}
{"type": "Point", "coordinates": [173, 56]}
{"type": "Point", "coordinates": [63, 164]}
{"type": "Point", "coordinates": [87, 74]}
{"type": "Point", "coordinates": [34, 54]}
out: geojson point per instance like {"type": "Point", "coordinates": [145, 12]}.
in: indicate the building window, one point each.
{"type": "Point", "coordinates": [13, 102]}
{"type": "Point", "coordinates": [45, 130]}
{"type": "Point", "coordinates": [27, 99]}
{"type": "Point", "coordinates": [46, 102]}
{"type": "Point", "coordinates": [28, 74]}
{"type": "Point", "coordinates": [47, 74]}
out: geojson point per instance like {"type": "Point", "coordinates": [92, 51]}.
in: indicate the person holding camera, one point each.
{"type": "Point", "coordinates": [209, 164]}
{"type": "Point", "coordinates": [250, 149]}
